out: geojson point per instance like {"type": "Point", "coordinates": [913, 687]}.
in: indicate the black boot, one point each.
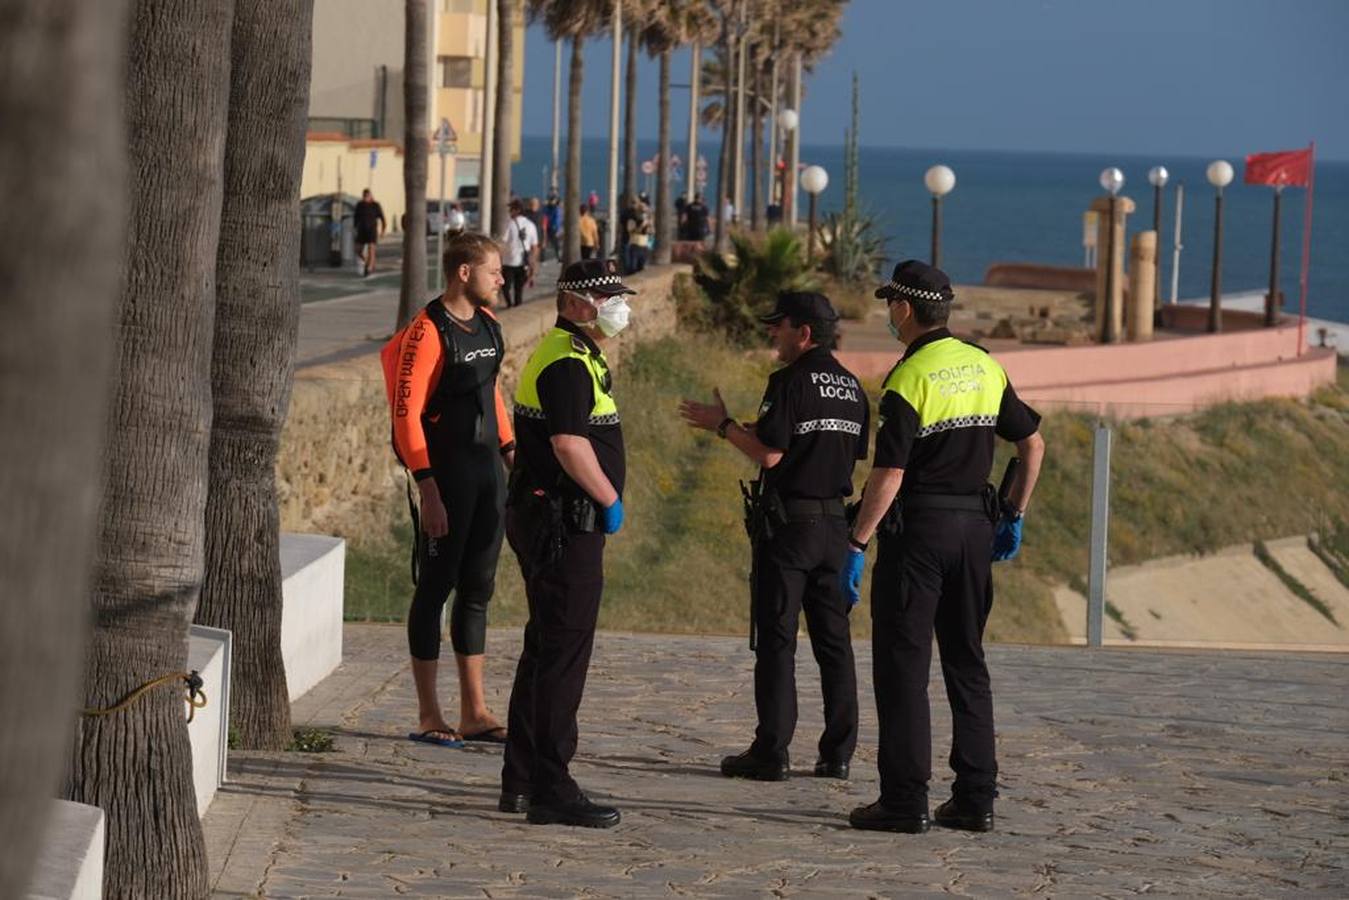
{"type": "Point", "coordinates": [747, 765]}
{"type": "Point", "coordinates": [580, 812]}
{"type": "Point", "coordinates": [826, 769]}
{"type": "Point", "coordinates": [952, 815]}
{"type": "Point", "coordinates": [511, 802]}
{"type": "Point", "coordinates": [877, 817]}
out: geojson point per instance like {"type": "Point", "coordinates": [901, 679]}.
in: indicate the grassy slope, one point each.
{"type": "Point", "coordinates": [1233, 474]}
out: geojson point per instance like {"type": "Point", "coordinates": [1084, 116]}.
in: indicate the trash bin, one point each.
{"type": "Point", "coordinates": [328, 234]}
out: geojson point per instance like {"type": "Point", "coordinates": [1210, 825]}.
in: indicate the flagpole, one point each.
{"type": "Point", "coordinates": [1306, 253]}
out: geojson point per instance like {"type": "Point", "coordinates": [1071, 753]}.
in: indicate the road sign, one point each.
{"type": "Point", "coordinates": [374, 158]}
{"type": "Point", "coordinates": [445, 132]}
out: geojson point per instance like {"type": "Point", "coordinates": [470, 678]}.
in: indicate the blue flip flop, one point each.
{"type": "Point", "coordinates": [430, 737]}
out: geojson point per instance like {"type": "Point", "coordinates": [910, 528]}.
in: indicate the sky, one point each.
{"type": "Point", "coordinates": [1178, 77]}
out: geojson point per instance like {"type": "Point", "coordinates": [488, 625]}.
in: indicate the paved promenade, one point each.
{"type": "Point", "coordinates": [1123, 772]}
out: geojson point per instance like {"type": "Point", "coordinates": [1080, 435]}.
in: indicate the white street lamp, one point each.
{"type": "Point", "coordinates": [813, 180]}
{"type": "Point", "coordinates": [787, 120]}
{"type": "Point", "coordinates": [1219, 174]}
{"type": "Point", "coordinates": [939, 181]}
{"type": "Point", "coordinates": [1112, 180]}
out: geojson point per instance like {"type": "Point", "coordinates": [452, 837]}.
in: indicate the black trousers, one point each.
{"type": "Point", "coordinates": [473, 489]}
{"type": "Point", "coordinates": [799, 569]}
{"type": "Point", "coordinates": [937, 574]}
{"type": "Point", "coordinates": [514, 289]}
{"type": "Point", "coordinates": [564, 603]}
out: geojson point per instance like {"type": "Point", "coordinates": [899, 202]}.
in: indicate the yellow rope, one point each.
{"type": "Point", "coordinates": [196, 697]}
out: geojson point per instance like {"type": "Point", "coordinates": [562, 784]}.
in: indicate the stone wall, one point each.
{"type": "Point", "coordinates": [337, 473]}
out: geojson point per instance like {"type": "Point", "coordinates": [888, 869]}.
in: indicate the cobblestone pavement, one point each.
{"type": "Point", "coordinates": [1123, 772]}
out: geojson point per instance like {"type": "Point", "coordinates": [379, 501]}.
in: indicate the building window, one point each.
{"type": "Point", "coordinates": [456, 71]}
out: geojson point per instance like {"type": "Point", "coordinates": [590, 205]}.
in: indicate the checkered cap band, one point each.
{"type": "Point", "coordinates": [916, 292]}
{"type": "Point", "coordinates": [588, 283]}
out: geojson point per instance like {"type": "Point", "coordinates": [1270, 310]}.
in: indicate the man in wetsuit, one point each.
{"type": "Point", "coordinates": [451, 430]}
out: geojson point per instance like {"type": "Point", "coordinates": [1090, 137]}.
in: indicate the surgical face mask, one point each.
{"type": "Point", "coordinates": [890, 323]}
{"type": "Point", "coordinates": [612, 315]}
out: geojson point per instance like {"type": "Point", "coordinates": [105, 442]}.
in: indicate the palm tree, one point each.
{"type": "Point", "coordinates": [502, 139]}
{"type": "Point", "coordinates": [415, 152]}
{"type": "Point", "coordinates": [668, 26]}
{"type": "Point", "coordinates": [54, 405]}
{"type": "Point", "coordinates": [257, 316]}
{"type": "Point", "coordinates": [576, 20]}
{"type": "Point", "coordinates": [630, 162]}
{"type": "Point", "coordinates": [136, 763]}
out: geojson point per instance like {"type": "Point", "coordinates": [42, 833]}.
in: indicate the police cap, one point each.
{"type": "Point", "coordinates": [802, 306]}
{"type": "Point", "coordinates": [599, 276]}
{"type": "Point", "coordinates": [916, 280]}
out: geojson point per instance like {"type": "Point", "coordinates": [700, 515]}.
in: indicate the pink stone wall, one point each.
{"type": "Point", "coordinates": [1172, 375]}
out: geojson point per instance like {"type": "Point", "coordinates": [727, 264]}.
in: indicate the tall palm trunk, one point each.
{"type": "Point", "coordinates": [723, 158]}
{"type": "Point", "coordinates": [257, 316]}
{"type": "Point", "coordinates": [53, 405]}
{"type": "Point", "coordinates": [136, 763]}
{"type": "Point", "coordinates": [630, 163]}
{"type": "Point", "coordinates": [415, 151]}
{"type": "Point", "coordinates": [756, 149]}
{"type": "Point", "coordinates": [502, 139]}
{"type": "Point", "coordinates": [571, 250]}
{"type": "Point", "coordinates": [664, 190]}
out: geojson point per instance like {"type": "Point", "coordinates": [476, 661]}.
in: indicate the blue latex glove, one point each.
{"type": "Point", "coordinates": [611, 517]}
{"type": "Point", "coordinates": [1007, 538]}
{"type": "Point", "coordinates": [851, 576]}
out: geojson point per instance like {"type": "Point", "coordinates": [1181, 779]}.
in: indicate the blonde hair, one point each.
{"type": "Point", "coordinates": [467, 248]}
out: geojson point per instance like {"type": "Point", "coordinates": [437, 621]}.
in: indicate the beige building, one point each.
{"type": "Point", "coordinates": [356, 120]}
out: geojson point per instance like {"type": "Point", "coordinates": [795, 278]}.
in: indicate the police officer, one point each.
{"type": "Point", "coordinates": [941, 407]}
{"type": "Point", "coordinates": [812, 428]}
{"type": "Point", "coordinates": [565, 495]}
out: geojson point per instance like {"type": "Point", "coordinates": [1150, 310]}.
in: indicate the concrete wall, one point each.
{"type": "Point", "coordinates": [1172, 375]}
{"type": "Point", "coordinates": [352, 38]}
{"type": "Point", "coordinates": [337, 474]}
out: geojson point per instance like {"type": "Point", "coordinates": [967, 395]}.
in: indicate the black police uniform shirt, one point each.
{"type": "Point", "coordinates": [814, 411]}
{"type": "Point", "coordinates": [466, 408]}
{"type": "Point", "coordinates": [567, 395]}
{"type": "Point", "coordinates": [954, 456]}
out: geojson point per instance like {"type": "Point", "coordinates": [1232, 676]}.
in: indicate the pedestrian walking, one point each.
{"type": "Point", "coordinates": [369, 221]}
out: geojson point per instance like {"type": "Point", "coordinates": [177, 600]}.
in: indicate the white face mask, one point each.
{"type": "Point", "coordinates": [612, 315]}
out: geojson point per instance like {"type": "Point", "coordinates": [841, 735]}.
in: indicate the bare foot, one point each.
{"type": "Point", "coordinates": [481, 724]}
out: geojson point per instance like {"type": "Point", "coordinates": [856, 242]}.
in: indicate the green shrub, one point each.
{"type": "Point", "coordinates": [853, 247]}
{"type": "Point", "coordinates": [741, 286]}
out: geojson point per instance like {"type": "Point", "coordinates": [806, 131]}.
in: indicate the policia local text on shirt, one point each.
{"type": "Point", "coordinates": [811, 430]}
{"type": "Point", "coordinates": [941, 407]}
{"type": "Point", "coordinates": [565, 495]}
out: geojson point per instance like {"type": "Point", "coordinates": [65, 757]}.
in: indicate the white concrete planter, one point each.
{"type": "Point", "coordinates": [312, 570]}
{"type": "Point", "coordinates": [70, 862]}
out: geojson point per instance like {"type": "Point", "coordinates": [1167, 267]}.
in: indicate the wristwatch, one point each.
{"type": "Point", "coordinates": [725, 423]}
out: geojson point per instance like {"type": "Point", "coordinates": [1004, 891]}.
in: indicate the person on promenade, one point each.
{"type": "Point", "coordinates": [639, 232]}
{"type": "Point", "coordinates": [540, 221]}
{"type": "Point", "coordinates": [520, 240]}
{"type": "Point", "coordinates": [812, 428]}
{"type": "Point", "coordinates": [566, 495]}
{"type": "Point", "coordinates": [940, 526]}
{"type": "Point", "coordinates": [590, 234]}
{"type": "Point", "coordinates": [553, 211]}
{"type": "Point", "coordinates": [370, 225]}
{"type": "Point", "coordinates": [452, 433]}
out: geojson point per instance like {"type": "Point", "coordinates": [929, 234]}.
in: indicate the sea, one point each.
{"type": "Point", "coordinates": [1028, 207]}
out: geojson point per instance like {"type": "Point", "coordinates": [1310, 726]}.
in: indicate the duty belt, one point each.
{"type": "Point", "coordinates": [802, 508]}
{"type": "Point", "coordinates": [957, 502]}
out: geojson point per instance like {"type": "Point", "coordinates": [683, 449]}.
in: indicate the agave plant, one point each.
{"type": "Point", "coordinates": [742, 285]}
{"type": "Point", "coordinates": [854, 247]}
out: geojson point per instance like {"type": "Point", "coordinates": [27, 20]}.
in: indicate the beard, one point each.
{"type": "Point", "coordinates": [481, 299]}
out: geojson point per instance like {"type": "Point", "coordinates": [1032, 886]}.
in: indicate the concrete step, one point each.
{"type": "Point", "coordinates": [70, 863]}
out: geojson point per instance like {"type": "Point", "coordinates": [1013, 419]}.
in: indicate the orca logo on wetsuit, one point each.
{"type": "Point", "coordinates": [484, 352]}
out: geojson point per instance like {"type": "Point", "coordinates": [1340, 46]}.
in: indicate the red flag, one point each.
{"type": "Point", "coordinates": [1284, 167]}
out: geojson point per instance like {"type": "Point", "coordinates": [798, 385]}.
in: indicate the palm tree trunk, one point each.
{"type": "Point", "coordinates": [630, 162]}
{"type": "Point", "coordinates": [664, 190]}
{"type": "Point", "coordinates": [723, 157]}
{"type": "Point", "coordinates": [695, 103]}
{"type": "Point", "coordinates": [53, 405]}
{"type": "Point", "coordinates": [257, 318]}
{"type": "Point", "coordinates": [415, 151]}
{"type": "Point", "coordinates": [571, 249]}
{"type": "Point", "coordinates": [136, 764]}
{"type": "Point", "coordinates": [502, 139]}
{"type": "Point", "coordinates": [756, 151]}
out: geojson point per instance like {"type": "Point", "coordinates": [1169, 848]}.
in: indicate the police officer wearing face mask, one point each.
{"type": "Point", "coordinates": [565, 496]}
{"type": "Point", "coordinates": [811, 430]}
{"type": "Point", "coordinates": [940, 527]}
